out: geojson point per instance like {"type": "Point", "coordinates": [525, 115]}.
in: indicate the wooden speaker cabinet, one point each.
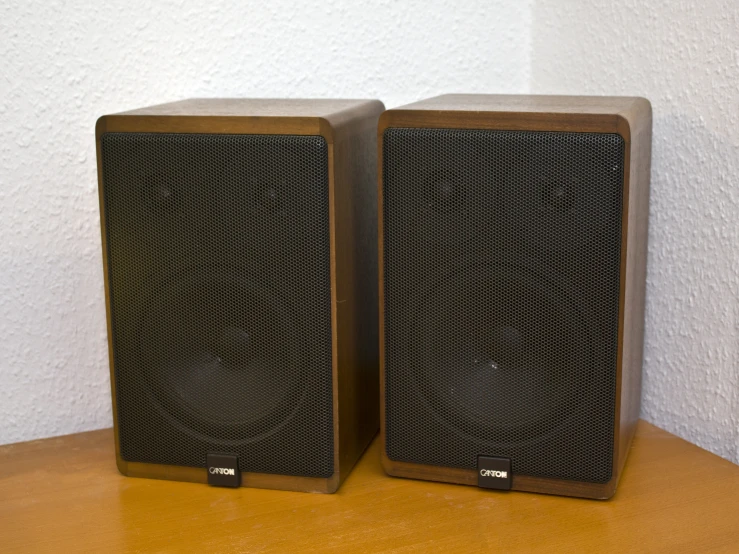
{"type": "Point", "coordinates": [512, 251]}
{"type": "Point", "coordinates": [239, 255]}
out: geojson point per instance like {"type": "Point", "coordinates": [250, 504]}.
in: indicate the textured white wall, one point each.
{"type": "Point", "coordinates": [684, 57]}
{"type": "Point", "coordinates": [63, 64]}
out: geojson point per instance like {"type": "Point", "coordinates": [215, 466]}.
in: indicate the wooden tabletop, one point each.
{"type": "Point", "coordinates": [65, 495]}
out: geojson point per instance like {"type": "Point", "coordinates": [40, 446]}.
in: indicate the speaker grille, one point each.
{"type": "Point", "coordinates": [219, 283]}
{"type": "Point", "coordinates": [502, 276]}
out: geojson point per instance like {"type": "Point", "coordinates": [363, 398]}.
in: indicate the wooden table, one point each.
{"type": "Point", "coordinates": [65, 495]}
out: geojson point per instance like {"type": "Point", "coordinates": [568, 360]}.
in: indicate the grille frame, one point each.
{"type": "Point", "coordinates": [269, 399]}
{"type": "Point", "coordinates": [348, 129]}
{"type": "Point", "coordinates": [631, 119]}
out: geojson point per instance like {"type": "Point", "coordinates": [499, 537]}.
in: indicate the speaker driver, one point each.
{"type": "Point", "coordinates": [221, 355]}
{"type": "Point", "coordinates": [506, 353]}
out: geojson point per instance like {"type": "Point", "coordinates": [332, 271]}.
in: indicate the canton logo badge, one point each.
{"type": "Point", "coordinates": [223, 470]}
{"type": "Point", "coordinates": [494, 473]}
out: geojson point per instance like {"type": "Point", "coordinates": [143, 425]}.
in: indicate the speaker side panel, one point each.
{"type": "Point", "coordinates": [355, 254]}
{"type": "Point", "coordinates": [638, 136]}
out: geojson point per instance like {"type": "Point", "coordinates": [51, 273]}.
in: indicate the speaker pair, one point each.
{"type": "Point", "coordinates": [240, 245]}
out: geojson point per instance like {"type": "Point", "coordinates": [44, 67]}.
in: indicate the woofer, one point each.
{"type": "Point", "coordinates": [510, 358]}
{"type": "Point", "coordinates": [224, 357]}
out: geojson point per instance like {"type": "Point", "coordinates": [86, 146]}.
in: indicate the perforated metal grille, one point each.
{"type": "Point", "coordinates": [501, 267]}
{"type": "Point", "coordinates": [218, 263]}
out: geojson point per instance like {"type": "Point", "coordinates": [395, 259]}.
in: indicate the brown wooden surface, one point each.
{"type": "Point", "coordinates": [583, 114]}
{"type": "Point", "coordinates": [65, 495]}
{"type": "Point", "coordinates": [633, 273]}
{"type": "Point", "coordinates": [355, 254]}
{"type": "Point", "coordinates": [349, 128]}
{"type": "Point", "coordinates": [528, 103]}
{"type": "Point", "coordinates": [253, 107]}
{"type": "Point", "coordinates": [630, 117]}
{"type": "Point", "coordinates": [254, 116]}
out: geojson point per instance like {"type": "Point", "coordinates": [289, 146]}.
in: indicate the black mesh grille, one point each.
{"type": "Point", "coordinates": [501, 266]}
{"type": "Point", "coordinates": [218, 261]}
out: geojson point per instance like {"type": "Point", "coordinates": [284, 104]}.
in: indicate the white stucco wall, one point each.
{"type": "Point", "coordinates": [63, 64]}
{"type": "Point", "coordinates": [684, 57]}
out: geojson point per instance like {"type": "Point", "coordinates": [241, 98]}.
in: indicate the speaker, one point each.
{"type": "Point", "coordinates": [239, 251]}
{"type": "Point", "coordinates": [513, 241]}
